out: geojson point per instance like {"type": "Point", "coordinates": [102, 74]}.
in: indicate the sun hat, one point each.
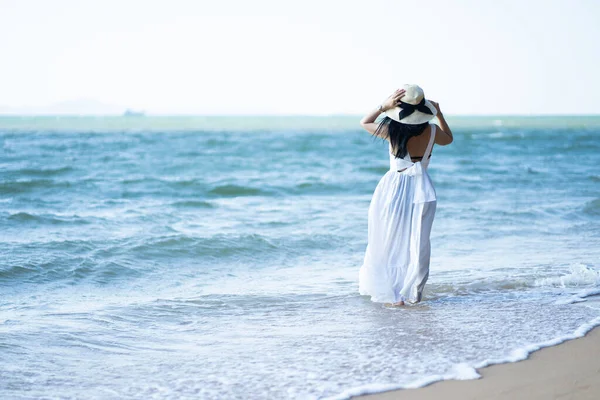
{"type": "Point", "coordinates": [414, 109]}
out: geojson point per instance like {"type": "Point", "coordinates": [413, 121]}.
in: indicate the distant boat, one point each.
{"type": "Point", "coordinates": [133, 113]}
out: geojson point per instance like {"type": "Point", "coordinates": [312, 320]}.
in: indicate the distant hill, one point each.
{"type": "Point", "coordinates": [69, 107]}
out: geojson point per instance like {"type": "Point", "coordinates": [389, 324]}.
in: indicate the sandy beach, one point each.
{"type": "Point", "coordinates": [570, 370]}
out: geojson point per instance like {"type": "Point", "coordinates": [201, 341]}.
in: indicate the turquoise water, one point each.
{"type": "Point", "coordinates": [65, 123]}
{"type": "Point", "coordinates": [198, 257]}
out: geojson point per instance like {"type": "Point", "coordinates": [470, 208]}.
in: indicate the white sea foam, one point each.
{"type": "Point", "coordinates": [579, 297]}
{"type": "Point", "coordinates": [578, 275]}
{"type": "Point", "coordinates": [463, 371]}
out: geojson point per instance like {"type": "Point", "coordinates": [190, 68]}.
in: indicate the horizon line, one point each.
{"type": "Point", "coordinates": [152, 115]}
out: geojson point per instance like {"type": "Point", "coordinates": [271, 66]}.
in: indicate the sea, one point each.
{"type": "Point", "coordinates": [196, 257]}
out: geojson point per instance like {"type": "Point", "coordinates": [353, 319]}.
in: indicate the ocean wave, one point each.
{"type": "Point", "coordinates": [588, 143]}
{"type": "Point", "coordinates": [139, 180]}
{"type": "Point", "coordinates": [375, 170]}
{"type": "Point", "coordinates": [217, 246]}
{"type": "Point", "coordinates": [18, 187]}
{"type": "Point", "coordinates": [233, 301]}
{"type": "Point", "coordinates": [66, 260]}
{"type": "Point", "coordinates": [68, 268]}
{"type": "Point", "coordinates": [222, 247]}
{"type": "Point", "coordinates": [436, 291]}
{"type": "Point", "coordinates": [592, 207]}
{"type": "Point", "coordinates": [44, 172]}
{"type": "Point", "coordinates": [317, 187]}
{"type": "Point", "coordinates": [107, 271]}
{"type": "Point", "coordinates": [16, 272]}
{"type": "Point", "coordinates": [105, 261]}
{"type": "Point", "coordinates": [232, 190]}
{"type": "Point", "coordinates": [152, 187]}
{"type": "Point", "coordinates": [192, 204]}
{"type": "Point", "coordinates": [511, 135]}
{"type": "Point", "coordinates": [579, 275]}
{"type": "Point", "coordinates": [579, 297]}
{"type": "Point", "coordinates": [24, 217]}
{"type": "Point", "coordinates": [507, 280]}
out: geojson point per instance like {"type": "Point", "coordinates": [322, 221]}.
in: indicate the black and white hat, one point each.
{"type": "Point", "coordinates": [413, 109]}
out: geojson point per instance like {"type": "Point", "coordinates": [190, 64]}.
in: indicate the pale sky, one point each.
{"type": "Point", "coordinates": [302, 57]}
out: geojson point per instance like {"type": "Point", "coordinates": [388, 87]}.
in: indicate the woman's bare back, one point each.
{"type": "Point", "coordinates": [416, 145]}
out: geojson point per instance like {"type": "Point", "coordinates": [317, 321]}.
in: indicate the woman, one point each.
{"type": "Point", "coordinates": [401, 213]}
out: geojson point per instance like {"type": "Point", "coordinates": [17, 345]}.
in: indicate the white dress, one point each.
{"type": "Point", "coordinates": [396, 264]}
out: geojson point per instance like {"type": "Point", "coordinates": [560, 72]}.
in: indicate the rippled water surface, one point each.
{"type": "Point", "coordinates": [218, 258]}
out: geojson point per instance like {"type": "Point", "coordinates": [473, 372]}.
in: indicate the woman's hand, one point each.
{"type": "Point", "coordinates": [393, 100]}
{"type": "Point", "coordinates": [437, 106]}
{"type": "Point", "coordinates": [368, 121]}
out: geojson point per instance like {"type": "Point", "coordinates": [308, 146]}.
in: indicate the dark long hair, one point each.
{"type": "Point", "coordinates": [399, 133]}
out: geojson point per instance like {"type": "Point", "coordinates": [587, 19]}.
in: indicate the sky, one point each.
{"type": "Point", "coordinates": [300, 57]}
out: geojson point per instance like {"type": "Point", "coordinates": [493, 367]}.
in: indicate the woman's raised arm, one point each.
{"type": "Point", "coordinates": [368, 121]}
{"type": "Point", "coordinates": [447, 138]}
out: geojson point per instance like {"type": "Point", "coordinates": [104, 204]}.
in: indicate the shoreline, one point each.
{"type": "Point", "coordinates": [568, 370]}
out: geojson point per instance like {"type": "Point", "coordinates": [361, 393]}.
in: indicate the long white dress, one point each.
{"type": "Point", "coordinates": [396, 264]}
